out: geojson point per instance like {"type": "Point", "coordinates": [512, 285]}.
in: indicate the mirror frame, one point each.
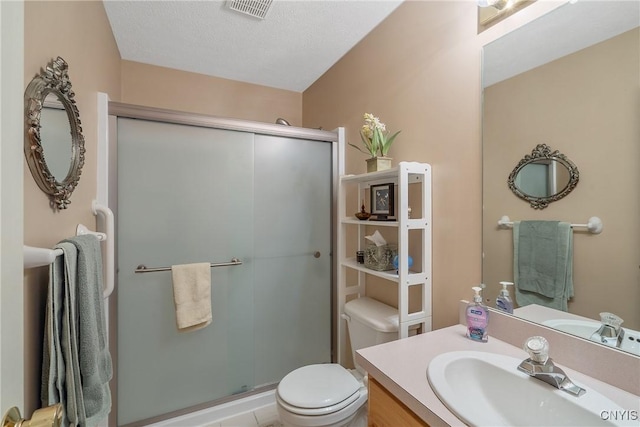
{"type": "Point", "coordinates": [544, 152]}
{"type": "Point", "coordinates": [54, 79]}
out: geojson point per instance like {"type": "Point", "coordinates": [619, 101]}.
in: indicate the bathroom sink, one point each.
{"type": "Point", "coordinates": [486, 389]}
{"type": "Point", "coordinates": [586, 328]}
{"type": "Point", "coordinates": [581, 328]}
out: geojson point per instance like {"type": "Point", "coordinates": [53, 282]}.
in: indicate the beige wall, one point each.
{"type": "Point", "coordinates": [179, 90]}
{"type": "Point", "coordinates": [586, 106]}
{"type": "Point", "coordinates": [80, 33]}
{"type": "Point", "coordinates": [419, 71]}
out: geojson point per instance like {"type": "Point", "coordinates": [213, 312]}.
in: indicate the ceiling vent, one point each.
{"type": "Point", "coordinates": [255, 8]}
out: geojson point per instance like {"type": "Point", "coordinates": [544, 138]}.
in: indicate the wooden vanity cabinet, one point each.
{"type": "Point", "coordinates": [385, 410]}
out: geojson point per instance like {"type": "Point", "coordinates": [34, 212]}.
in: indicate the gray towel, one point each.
{"type": "Point", "coordinates": [76, 363]}
{"type": "Point", "coordinates": [543, 263]}
{"type": "Point", "coordinates": [54, 375]}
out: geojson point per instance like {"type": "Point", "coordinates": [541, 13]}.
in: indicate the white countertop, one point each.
{"type": "Point", "coordinates": [401, 367]}
{"type": "Point", "coordinates": [540, 314]}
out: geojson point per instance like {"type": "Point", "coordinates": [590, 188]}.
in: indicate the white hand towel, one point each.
{"type": "Point", "coordinates": [192, 295]}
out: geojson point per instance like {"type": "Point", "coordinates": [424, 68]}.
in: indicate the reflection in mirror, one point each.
{"type": "Point", "coordinates": [544, 176]}
{"type": "Point", "coordinates": [569, 78]}
{"type": "Point", "coordinates": [55, 135]}
{"type": "Point", "coordinates": [54, 145]}
{"type": "Point", "coordinates": [490, 12]}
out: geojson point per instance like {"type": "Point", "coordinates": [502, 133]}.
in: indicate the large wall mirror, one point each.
{"type": "Point", "coordinates": [569, 79]}
{"type": "Point", "coordinates": [54, 145]}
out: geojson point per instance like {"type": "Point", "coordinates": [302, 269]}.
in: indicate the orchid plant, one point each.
{"type": "Point", "coordinates": [374, 136]}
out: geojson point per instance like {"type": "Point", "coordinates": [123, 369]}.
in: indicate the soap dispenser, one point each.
{"type": "Point", "coordinates": [477, 316]}
{"type": "Point", "coordinates": [504, 302]}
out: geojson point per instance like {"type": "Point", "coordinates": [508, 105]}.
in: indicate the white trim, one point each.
{"type": "Point", "coordinates": [102, 199]}
{"type": "Point", "coordinates": [12, 363]}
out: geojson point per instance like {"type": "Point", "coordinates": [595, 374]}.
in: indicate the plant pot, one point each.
{"type": "Point", "coordinates": [378, 164]}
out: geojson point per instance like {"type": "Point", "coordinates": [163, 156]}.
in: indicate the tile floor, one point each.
{"type": "Point", "coordinates": [265, 416]}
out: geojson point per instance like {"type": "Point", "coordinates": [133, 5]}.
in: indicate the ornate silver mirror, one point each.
{"type": "Point", "coordinates": [54, 145]}
{"type": "Point", "coordinates": [544, 176]}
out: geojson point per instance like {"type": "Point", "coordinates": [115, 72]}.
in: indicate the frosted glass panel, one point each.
{"type": "Point", "coordinates": [292, 287]}
{"type": "Point", "coordinates": [184, 196]}
{"type": "Point", "coordinates": [188, 194]}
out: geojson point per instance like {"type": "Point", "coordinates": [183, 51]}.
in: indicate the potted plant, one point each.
{"type": "Point", "coordinates": [377, 142]}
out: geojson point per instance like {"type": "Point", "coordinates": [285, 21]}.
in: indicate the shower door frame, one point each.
{"type": "Point", "coordinates": [110, 111]}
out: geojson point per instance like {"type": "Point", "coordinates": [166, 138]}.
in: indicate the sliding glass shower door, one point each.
{"type": "Point", "coordinates": [191, 194]}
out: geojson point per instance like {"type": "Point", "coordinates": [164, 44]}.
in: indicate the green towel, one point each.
{"type": "Point", "coordinates": [543, 263]}
{"type": "Point", "coordinates": [76, 363]}
{"type": "Point", "coordinates": [58, 362]}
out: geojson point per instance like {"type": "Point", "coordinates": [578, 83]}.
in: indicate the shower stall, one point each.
{"type": "Point", "coordinates": [200, 189]}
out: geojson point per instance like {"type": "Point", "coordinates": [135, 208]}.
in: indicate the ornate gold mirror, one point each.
{"type": "Point", "coordinates": [54, 145]}
{"type": "Point", "coordinates": [544, 176]}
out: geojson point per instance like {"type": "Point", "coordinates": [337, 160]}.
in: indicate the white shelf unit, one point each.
{"type": "Point", "coordinates": [402, 176]}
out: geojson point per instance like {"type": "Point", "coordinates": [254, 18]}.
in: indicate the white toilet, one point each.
{"type": "Point", "coordinates": [328, 395]}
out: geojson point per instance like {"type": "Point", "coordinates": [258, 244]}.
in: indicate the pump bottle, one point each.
{"type": "Point", "coordinates": [477, 316]}
{"type": "Point", "coordinates": [504, 302]}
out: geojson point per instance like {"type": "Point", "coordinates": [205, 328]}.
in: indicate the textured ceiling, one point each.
{"type": "Point", "coordinates": [299, 40]}
{"type": "Point", "coordinates": [290, 49]}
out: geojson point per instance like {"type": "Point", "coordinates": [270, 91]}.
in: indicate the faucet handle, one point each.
{"type": "Point", "coordinates": [610, 331]}
{"type": "Point", "coordinates": [538, 349]}
{"type": "Point", "coordinates": [611, 319]}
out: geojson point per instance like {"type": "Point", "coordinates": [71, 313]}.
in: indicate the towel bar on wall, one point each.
{"type": "Point", "coordinates": [144, 269]}
{"type": "Point", "coordinates": [37, 257]}
{"type": "Point", "coordinates": [594, 225]}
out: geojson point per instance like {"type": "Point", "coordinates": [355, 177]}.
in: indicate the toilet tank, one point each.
{"type": "Point", "coordinates": [371, 322]}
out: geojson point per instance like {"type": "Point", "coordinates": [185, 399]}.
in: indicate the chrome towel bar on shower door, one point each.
{"type": "Point", "coordinates": [144, 269]}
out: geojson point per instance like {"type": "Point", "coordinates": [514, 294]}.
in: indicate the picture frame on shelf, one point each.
{"type": "Point", "coordinates": [382, 202]}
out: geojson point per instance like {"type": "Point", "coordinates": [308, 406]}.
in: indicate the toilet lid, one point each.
{"type": "Point", "coordinates": [318, 386]}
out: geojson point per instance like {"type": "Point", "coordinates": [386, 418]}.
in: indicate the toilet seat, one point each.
{"type": "Point", "coordinates": [318, 411]}
{"type": "Point", "coordinates": [318, 390]}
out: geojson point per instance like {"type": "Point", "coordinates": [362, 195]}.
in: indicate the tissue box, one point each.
{"type": "Point", "coordinates": [380, 258]}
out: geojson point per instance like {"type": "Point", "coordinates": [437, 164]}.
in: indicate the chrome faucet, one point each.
{"type": "Point", "coordinates": [541, 367]}
{"type": "Point", "coordinates": [610, 332]}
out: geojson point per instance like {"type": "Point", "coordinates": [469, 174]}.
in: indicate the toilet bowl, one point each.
{"type": "Point", "coordinates": [327, 394]}
{"type": "Point", "coordinates": [322, 395]}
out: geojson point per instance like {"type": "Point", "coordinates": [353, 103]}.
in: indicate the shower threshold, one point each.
{"type": "Point", "coordinates": [221, 410]}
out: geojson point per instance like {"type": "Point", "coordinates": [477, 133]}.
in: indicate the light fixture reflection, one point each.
{"type": "Point", "coordinates": [497, 4]}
